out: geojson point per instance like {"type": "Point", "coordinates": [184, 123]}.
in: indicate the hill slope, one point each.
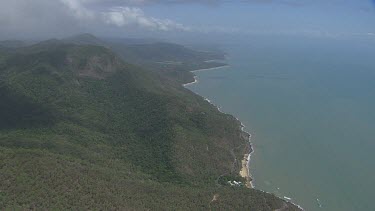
{"type": "Point", "coordinates": [171, 60]}
{"type": "Point", "coordinates": [81, 129]}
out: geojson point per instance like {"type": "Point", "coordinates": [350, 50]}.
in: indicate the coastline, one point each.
{"type": "Point", "coordinates": [245, 162]}
{"type": "Point", "coordinates": [195, 81]}
{"type": "Point", "coordinates": [211, 68]}
{"type": "Point", "coordinates": [200, 70]}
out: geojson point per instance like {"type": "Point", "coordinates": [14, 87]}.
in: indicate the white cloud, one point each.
{"type": "Point", "coordinates": [122, 17]}
{"type": "Point", "coordinates": [57, 18]}
{"type": "Point", "coordinates": [132, 16]}
{"type": "Point", "coordinates": [143, 2]}
{"type": "Point", "coordinates": [78, 10]}
{"type": "Point", "coordinates": [25, 18]}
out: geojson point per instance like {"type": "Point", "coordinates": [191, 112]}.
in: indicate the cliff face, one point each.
{"type": "Point", "coordinates": [81, 129]}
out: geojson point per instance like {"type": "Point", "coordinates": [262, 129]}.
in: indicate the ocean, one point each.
{"type": "Point", "coordinates": [309, 105]}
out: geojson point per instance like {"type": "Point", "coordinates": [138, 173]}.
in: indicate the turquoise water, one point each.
{"type": "Point", "coordinates": [309, 105]}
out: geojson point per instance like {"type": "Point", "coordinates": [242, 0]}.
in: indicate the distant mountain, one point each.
{"type": "Point", "coordinates": [159, 52]}
{"type": "Point", "coordinates": [80, 129]}
{"type": "Point", "coordinates": [131, 41]}
{"type": "Point", "coordinates": [173, 60]}
{"type": "Point", "coordinates": [85, 39]}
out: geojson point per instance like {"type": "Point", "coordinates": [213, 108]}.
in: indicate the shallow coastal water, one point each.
{"type": "Point", "coordinates": [309, 106]}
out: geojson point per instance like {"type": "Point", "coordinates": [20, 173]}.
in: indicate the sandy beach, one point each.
{"type": "Point", "coordinates": [245, 162]}
{"type": "Point", "coordinates": [204, 69]}
{"type": "Point", "coordinates": [245, 170]}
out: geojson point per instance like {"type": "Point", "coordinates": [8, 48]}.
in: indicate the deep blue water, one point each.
{"type": "Point", "coordinates": [309, 105]}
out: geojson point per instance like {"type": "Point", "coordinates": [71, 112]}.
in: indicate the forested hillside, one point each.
{"type": "Point", "coordinates": [82, 129]}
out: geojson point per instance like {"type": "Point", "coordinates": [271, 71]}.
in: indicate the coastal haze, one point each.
{"type": "Point", "coordinates": [308, 104]}
{"type": "Point", "coordinates": [127, 89]}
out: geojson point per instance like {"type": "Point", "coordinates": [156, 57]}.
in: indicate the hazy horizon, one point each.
{"type": "Point", "coordinates": [184, 20]}
{"type": "Point", "coordinates": [300, 76]}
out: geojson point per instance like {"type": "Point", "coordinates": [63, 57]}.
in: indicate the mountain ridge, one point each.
{"type": "Point", "coordinates": [112, 135]}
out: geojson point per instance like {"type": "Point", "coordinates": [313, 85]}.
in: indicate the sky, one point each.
{"type": "Point", "coordinates": [338, 19]}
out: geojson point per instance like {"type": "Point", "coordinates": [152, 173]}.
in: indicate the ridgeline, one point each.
{"type": "Point", "coordinates": [87, 124]}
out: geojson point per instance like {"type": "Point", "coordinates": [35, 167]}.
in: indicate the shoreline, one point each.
{"type": "Point", "coordinates": [210, 68]}
{"type": "Point", "coordinates": [200, 70]}
{"type": "Point", "coordinates": [245, 162]}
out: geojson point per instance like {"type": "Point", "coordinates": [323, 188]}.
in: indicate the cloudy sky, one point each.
{"type": "Point", "coordinates": [122, 18]}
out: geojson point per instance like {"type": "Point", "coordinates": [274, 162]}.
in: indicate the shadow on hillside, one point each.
{"type": "Point", "coordinates": [19, 112]}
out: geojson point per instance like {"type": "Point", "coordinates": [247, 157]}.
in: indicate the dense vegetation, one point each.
{"type": "Point", "coordinates": [173, 61]}
{"type": "Point", "coordinates": [81, 129]}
